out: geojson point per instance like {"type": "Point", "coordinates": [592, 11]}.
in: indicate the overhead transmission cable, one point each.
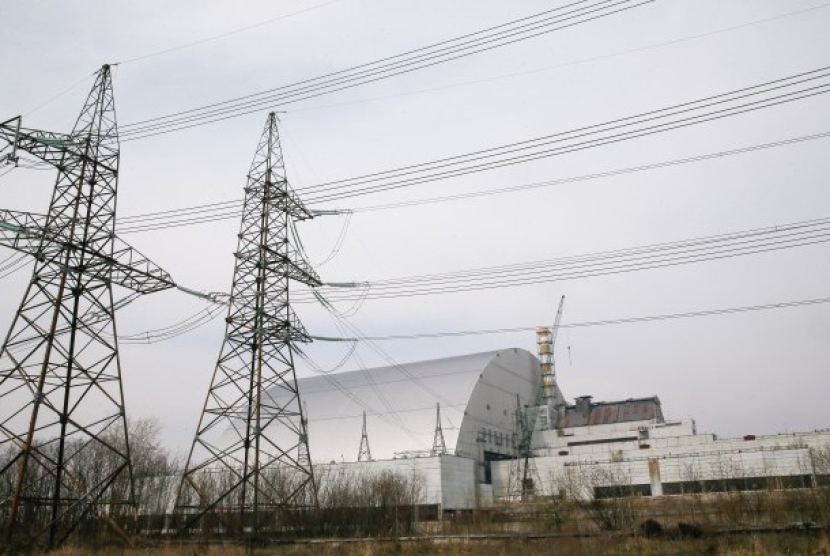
{"type": "Point", "coordinates": [13, 263]}
{"type": "Point", "coordinates": [689, 251]}
{"type": "Point", "coordinates": [344, 323]}
{"type": "Point", "coordinates": [739, 101]}
{"type": "Point", "coordinates": [662, 255]}
{"type": "Point", "coordinates": [226, 33]}
{"type": "Point", "coordinates": [389, 415]}
{"type": "Point", "coordinates": [569, 63]}
{"type": "Point", "coordinates": [588, 177]}
{"type": "Point", "coordinates": [569, 15]}
{"type": "Point", "coordinates": [771, 93]}
{"type": "Point", "coordinates": [584, 324]}
{"type": "Point", "coordinates": [368, 376]}
{"type": "Point", "coordinates": [214, 212]}
{"type": "Point", "coordinates": [184, 326]}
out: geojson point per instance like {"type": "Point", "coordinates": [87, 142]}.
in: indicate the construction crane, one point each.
{"type": "Point", "coordinates": [548, 401]}
{"type": "Point", "coordinates": [548, 366]}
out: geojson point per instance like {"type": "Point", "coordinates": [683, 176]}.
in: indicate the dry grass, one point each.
{"type": "Point", "coordinates": [749, 545]}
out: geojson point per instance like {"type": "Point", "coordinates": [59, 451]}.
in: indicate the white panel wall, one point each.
{"type": "Point", "coordinates": [446, 480]}
{"type": "Point", "coordinates": [681, 458]}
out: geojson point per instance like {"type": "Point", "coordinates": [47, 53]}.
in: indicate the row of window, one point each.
{"type": "Point", "coordinates": [741, 484]}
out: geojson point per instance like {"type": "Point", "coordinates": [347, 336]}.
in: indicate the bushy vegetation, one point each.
{"type": "Point", "coordinates": [350, 502]}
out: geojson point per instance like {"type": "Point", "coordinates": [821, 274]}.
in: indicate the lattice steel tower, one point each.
{"type": "Point", "coordinates": [64, 452]}
{"type": "Point", "coordinates": [438, 445]}
{"type": "Point", "coordinates": [365, 453]}
{"type": "Point", "coordinates": [250, 453]}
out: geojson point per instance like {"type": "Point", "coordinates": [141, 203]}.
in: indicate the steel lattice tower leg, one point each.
{"type": "Point", "coordinates": [63, 438]}
{"type": "Point", "coordinates": [250, 454]}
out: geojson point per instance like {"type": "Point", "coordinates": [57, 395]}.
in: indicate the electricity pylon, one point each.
{"type": "Point", "coordinates": [438, 445]}
{"type": "Point", "coordinates": [364, 454]}
{"type": "Point", "coordinates": [250, 453]}
{"type": "Point", "coordinates": [64, 450]}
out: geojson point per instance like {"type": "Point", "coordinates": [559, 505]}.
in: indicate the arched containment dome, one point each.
{"type": "Point", "coordinates": [478, 394]}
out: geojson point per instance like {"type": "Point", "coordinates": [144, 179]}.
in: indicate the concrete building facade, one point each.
{"type": "Point", "coordinates": [597, 449]}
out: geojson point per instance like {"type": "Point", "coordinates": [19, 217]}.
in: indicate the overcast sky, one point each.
{"type": "Point", "coordinates": [759, 372]}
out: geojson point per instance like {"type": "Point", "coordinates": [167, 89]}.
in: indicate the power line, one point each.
{"type": "Point", "coordinates": [581, 266]}
{"type": "Point", "coordinates": [13, 263]}
{"type": "Point", "coordinates": [61, 93]}
{"type": "Point", "coordinates": [644, 48]}
{"type": "Point", "coordinates": [605, 263]}
{"type": "Point", "coordinates": [184, 326]}
{"type": "Point", "coordinates": [575, 13]}
{"type": "Point", "coordinates": [334, 81]}
{"type": "Point", "coordinates": [584, 324]}
{"type": "Point", "coordinates": [712, 108]}
{"type": "Point", "coordinates": [556, 277]}
{"type": "Point", "coordinates": [663, 255]}
{"type": "Point", "coordinates": [389, 415]}
{"type": "Point", "coordinates": [368, 72]}
{"type": "Point", "coordinates": [589, 177]}
{"type": "Point", "coordinates": [226, 33]}
{"type": "Point", "coordinates": [344, 323]}
{"type": "Point", "coordinates": [214, 212]}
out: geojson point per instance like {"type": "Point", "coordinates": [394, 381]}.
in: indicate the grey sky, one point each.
{"type": "Point", "coordinates": [750, 373]}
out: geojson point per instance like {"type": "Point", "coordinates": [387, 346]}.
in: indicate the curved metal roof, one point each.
{"type": "Point", "coordinates": [476, 392]}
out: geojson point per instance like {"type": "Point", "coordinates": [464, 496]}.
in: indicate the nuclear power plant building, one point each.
{"type": "Point", "coordinates": [472, 455]}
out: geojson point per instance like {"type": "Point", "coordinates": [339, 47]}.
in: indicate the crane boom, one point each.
{"type": "Point", "coordinates": [554, 332]}
{"type": "Point", "coordinates": [546, 359]}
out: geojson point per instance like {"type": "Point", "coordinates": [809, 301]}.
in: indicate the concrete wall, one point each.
{"type": "Point", "coordinates": [445, 479]}
{"type": "Point", "coordinates": [659, 461]}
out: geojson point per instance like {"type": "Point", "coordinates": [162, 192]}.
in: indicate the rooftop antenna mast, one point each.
{"type": "Point", "coordinates": [250, 455]}
{"type": "Point", "coordinates": [438, 444]}
{"type": "Point", "coordinates": [365, 454]}
{"type": "Point", "coordinates": [62, 415]}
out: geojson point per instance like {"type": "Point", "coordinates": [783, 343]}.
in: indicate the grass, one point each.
{"type": "Point", "coordinates": [739, 545]}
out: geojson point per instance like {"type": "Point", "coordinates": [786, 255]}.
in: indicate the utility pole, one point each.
{"type": "Point", "coordinates": [250, 455]}
{"type": "Point", "coordinates": [438, 445]}
{"type": "Point", "coordinates": [62, 414]}
{"type": "Point", "coordinates": [365, 454]}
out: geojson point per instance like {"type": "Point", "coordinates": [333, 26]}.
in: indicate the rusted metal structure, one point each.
{"type": "Point", "coordinates": [250, 456]}
{"type": "Point", "coordinates": [62, 416]}
{"type": "Point", "coordinates": [584, 412]}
